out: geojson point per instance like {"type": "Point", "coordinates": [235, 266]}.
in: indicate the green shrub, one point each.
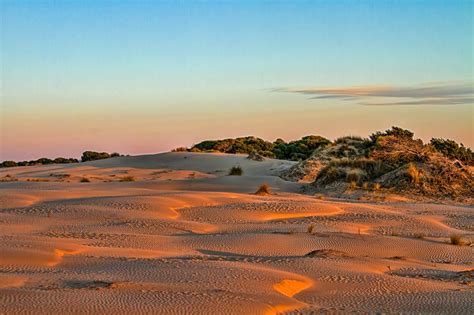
{"type": "Point", "coordinates": [397, 132]}
{"type": "Point", "coordinates": [8, 164]}
{"type": "Point", "coordinates": [92, 156]}
{"type": "Point", "coordinates": [61, 160]}
{"type": "Point", "coordinates": [295, 150]}
{"type": "Point", "coordinates": [452, 150]}
{"type": "Point", "coordinates": [236, 171]}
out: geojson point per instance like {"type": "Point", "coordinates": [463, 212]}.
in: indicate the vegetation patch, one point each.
{"type": "Point", "coordinates": [236, 171]}
{"type": "Point", "coordinates": [127, 179]}
{"type": "Point", "coordinates": [263, 190]}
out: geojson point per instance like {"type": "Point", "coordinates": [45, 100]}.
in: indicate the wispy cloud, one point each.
{"type": "Point", "coordinates": [443, 93]}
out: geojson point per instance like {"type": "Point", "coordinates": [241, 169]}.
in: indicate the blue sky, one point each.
{"type": "Point", "coordinates": [96, 65]}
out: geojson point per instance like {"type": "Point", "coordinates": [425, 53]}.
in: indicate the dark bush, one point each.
{"type": "Point", "coordinates": [452, 150]}
{"type": "Point", "coordinates": [92, 156]}
{"type": "Point", "coordinates": [394, 131]}
{"type": "Point", "coordinates": [8, 164]}
{"type": "Point", "coordinates": [236, 171]}
{"type": "Point", "coordinates": [44, 161]}
{"type": "Point", "coordinates": [295, 150]}
{"type": "Point", "coordinates": [62, 160]}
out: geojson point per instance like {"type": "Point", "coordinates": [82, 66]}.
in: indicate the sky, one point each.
{"type": "Point", "coordinates": [141, 77]}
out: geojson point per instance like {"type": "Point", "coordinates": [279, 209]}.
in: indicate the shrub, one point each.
{"type": "Point", "coordinates": [311, 228]}
{"type": "Point", "coordinates": [8, 164]}
{"type": "Point", "coordinates": [85, 180]}
{"type": "Point", "coordinates": [180, 149]}
{"type": "Point", "coordinates": [236, 171]}
{"type": "Point", "coordinates": [354, 175]}
{"type": "Point", "coordinates": [330, 174]}
{"type": "Point", "coordinates": [452, 150]}
{"type": "Point", "coordinates": [295, 150]}
{"type": "Point", "coordinates": [396, 132]}
{"type": "Point", "coordinates": [92, 156]}
{"type": "Point", "coordinates": [115, 154]}
{"type": "Point", "coordinates": [376, 186]}
{"type": "Point", "coordinates": [127, 179]}
{"type": "Point", "coordinates": [264, 189]}
{"type": "Point", "coordinates": [395, 151]}
{"type": "Point", "coordinates": [365, 186]}
{"type": "Point", "coordinates": [44, 161]}
{"type": "Point", "coordinates": [61, 160]}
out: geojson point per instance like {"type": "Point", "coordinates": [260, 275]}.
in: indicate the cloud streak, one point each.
{"type": "Point", "coordinates": [447, 93]}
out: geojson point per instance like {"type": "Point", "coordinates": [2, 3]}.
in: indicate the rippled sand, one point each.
{"type": "Point", "coordinates": [185, 238]}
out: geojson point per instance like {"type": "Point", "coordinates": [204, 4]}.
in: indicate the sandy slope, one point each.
{"type": "Point", "coordinates": [186, 238]}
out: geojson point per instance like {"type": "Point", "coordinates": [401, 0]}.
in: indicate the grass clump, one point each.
{"type": "Point", "coordinates": [414, 173]}
{"type": "Point", "coordinates": [419, 236]}
{"type": "Point", "coordinates": [311, 228]}
{"type": "Point", "coordinates": [456, 240]}
{"type": "Point", "coordinates": [353, 185]}
{"type": "Point", "coordinates": [8, 178]}
{"type": "Point", "coordinates": [236, 171]}
{"type": "Point", "coordinates": [85, 180]}
{"type": "Point", "coordinates": [263, 190]}
{"type": "Point", "coordinates": [127, 179]}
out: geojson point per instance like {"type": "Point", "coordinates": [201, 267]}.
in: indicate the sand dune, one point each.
{"type": "Point", "coordinates": [183, 237]}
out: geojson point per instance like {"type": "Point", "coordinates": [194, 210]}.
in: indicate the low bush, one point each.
{"type": "Point", "coordinates": [236, 171]}
{"type": "Point", "coordinates": [93, 156]}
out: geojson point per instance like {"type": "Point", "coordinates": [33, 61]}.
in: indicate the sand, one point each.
{"type": "Point", "coordinates": [183, 237]}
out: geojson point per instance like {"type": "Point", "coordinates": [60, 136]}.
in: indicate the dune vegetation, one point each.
{"type": "Point", "coordinates": [392, 159]}
{"type": "Point", "coordinates": [86, 156]}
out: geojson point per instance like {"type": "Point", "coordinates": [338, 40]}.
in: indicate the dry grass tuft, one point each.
{"type": "Point", "coordinates": [414, 173]}
{"type": "Point", "coordinates": [310, 229]}
{"type": "Point", "coordinates": [263, 190]}
{"type": "Point", "coordinates": [419, 236]}
{"type": "Point", "coordinates": [127, 179]}
{"type": "Point", "coordinates": [457, 240]}
{"type": "Point", "coordinates": [8, 178]}
{"type": "Point", "coordinates": [376, 186]}
{"type": "Point", "coordinates": [353, 185]}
